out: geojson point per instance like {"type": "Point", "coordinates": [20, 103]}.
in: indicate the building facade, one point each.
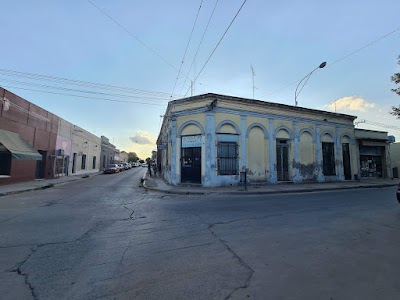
{"type": "Point", "coordinates": [123, 156]}
{"type": "Point", "coordinates": [27, 139]}
{"type": "Point", "coordinates": [35, 143]}
{"type": "Point", "coordinates": [374, 153]}
{"type": "Point", "coordinates": [86, 151]}
{"type": "Point", "coordinates": [107, 152]}
{"type": "Point", "coordinates": [213, 139]}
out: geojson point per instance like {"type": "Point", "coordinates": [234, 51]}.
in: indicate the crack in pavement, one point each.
{"type": "Point", "coordinates": [237, 257]}
{"type": "Point", "coordinates": [131, 215]}
{"type": "Point", "coordinates": [187, 247]}
{"type": "Point", "coordinates": [25, 275]}
{"type": "Point", "coordinates": [34, 248]}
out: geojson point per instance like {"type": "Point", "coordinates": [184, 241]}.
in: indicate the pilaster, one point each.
{"type": "Point", "coordinates": [272, 176]}
{"type": "Point", "coordinates": [297, 177]}
{"type": "Point", "coordinates": [174, 157]}
{"type": "Point", "coordinates": [318, 147]}
{"type": "Point", "coordinates": [210, 151]}
{"type": "Point", "coordinates": [243, 146]}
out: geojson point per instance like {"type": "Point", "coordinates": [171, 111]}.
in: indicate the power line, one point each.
{"type": "Point", "coordinates": [198, 47]}
{"type": "Point", "coordinates": [81, 91]}
{"type": "Point", "coordinates": [362, 48]}
{"type": "Point", "coordinates": [33, 76]}
{"type": "Point", "coordinates": [86, 97]}
{"type": "Point", "coordinates": [219, 42]}
{"type": "Point", "coordinates": [187, 46]}
{"type": "Point", "coordinates": [395, 128]}
{"type": "Point", "coordinates": [133, 36]}
{"type": "Point", "coordinates": [339, 60]}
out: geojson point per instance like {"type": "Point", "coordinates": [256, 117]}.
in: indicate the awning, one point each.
{"type": "Point", "coordinates": [19, 148]}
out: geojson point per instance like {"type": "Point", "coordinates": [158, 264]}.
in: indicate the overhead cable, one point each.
{"type": "Point", "coordinates": [133, 36]}
{"type": "Point", "coordinates": [81, 91]}
{"type": "Point", "coordinates": [198, 47]}
{"type": "Point", "coordinates": [33, 76]}
{"type": "Point", "coordinates": [86, 97]}
{"type": "Point", "coordinates": [340, 59]}
{"type": "Point", "coordinates": [187, 46]}
{"type": "Point", "coordinates": [219, 42]}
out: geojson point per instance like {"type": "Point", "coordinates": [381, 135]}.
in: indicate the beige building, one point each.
{"type": "Point", "coordinates": [85, 152]}
{"type": "Point", "coordinates": [123, 156]}
{"type": "Point", "coordinates": [210, 139]}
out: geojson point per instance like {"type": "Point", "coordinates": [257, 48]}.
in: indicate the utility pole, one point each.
{"type": "Point", "coordinates": [253, 74]}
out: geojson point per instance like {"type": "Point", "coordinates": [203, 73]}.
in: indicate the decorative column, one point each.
{"type": "Point", "coordinates": [243, 142]}
{"type": "Point", "coordinates": [210, 151]}
{"type": "Point", "coordinates": [318, 147]}
{"type": "Point", "coordinates": [173, 152]}
{"type": "Point", "coordinates": [338, 155]}
{"type": "Point", "coordinates": [297, 177]}
{"type": "Point", "coordinates": [272, 176]}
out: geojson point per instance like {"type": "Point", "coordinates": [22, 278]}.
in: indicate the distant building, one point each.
{"type": "Point", "coordinates": [35, 143]}
{"type": "Point", "coordinates": [107, 152]}
{"type": "Point", "coordinates": [116, 156]}
{"type": "Point", "coordinates": [123, 156]}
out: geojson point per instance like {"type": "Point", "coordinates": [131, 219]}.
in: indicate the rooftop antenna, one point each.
{"type": "Point", "coordinates": [253, 74]}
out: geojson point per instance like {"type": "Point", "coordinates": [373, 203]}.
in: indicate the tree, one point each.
{"type": "Point", "coordinates": [396, 79]}
{"type": "Point", "coordinates": [132, 156]}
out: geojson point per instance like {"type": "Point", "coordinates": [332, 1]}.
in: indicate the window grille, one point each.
{"type": "Point", "coordinates": [227, 153]}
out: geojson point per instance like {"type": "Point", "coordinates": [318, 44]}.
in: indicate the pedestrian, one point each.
{"type": "Point", "coordinates": [149, 168]}
{"type": "Point", "coordinates": [155, 170]}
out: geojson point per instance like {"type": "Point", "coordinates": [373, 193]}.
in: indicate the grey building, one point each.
{"type": "Point", "coordinates": [107, 152]}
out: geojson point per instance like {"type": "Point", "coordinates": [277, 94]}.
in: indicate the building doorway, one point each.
{"type": "Point", "coordinates": [40, 165]}
{"type": "Point", "coordinates": [74, 163]}
{"type": "Point", "coordinates": [346, 161]}
{"type": "Point", "coordinates": [191, 165]}
{"type": "Point", "coordinates": [282, 160]}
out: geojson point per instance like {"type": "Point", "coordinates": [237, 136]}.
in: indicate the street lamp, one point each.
{"type": "Point", "coordinates": [296, 94]}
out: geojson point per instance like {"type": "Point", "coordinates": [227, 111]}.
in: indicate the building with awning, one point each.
{"type": "Point", "coordinates": [28, 136]}
{"type": "Point", "coordinates": [11, 144]}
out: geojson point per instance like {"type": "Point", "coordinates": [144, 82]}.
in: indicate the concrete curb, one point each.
{"type": "Point", "coordinates": [49, 185]}
{"type": "Point", "coordinates": [295, 191]}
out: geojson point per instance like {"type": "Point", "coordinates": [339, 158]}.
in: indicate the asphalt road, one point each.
{"type": "Point", "coordinates": [105, 237]}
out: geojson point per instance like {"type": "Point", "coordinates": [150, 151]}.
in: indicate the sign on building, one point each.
{"type": "Point", "coordinates": [191, 141]}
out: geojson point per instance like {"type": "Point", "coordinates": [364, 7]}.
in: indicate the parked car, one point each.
{"type": "Point", "coordinates": [121, 167]}
{"type": "Point", "coordinates": [111, 168]}
{"type": "Point", "coordinates": [144, 165]}
{"type": "Point", "coordinates": [126, 166]}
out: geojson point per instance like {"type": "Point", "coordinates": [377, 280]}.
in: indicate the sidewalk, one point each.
{"type": "Point", "coordinates": [159, 184]}
{"type": "Point", "coordinates": [39, 184]}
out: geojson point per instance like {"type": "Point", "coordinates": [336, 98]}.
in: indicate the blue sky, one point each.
{"type": "Point", "coordinates": [282, 40]}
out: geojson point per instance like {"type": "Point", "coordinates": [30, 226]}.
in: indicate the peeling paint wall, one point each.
{"type": "Point", "coordinates": [307, 157]}
{"type": "Point", "coordinates": [256, 155]}
{"type": "Point", "coordinates": [255, 128]}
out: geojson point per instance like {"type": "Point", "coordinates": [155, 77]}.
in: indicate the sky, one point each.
{"type": "Point", "coordinates": [133, 51]}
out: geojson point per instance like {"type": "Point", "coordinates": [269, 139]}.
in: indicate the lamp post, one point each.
{"type": "Point", "coordinates": [305, 79]}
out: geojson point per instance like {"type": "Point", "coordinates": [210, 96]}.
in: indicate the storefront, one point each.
{"type": "Point", "coordinates": [371, 161]}
{"type": "Point", "coordinates": [374, 157]}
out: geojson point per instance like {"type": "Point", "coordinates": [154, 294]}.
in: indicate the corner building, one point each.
{"type": "Point", "coordinates": [210, 139]}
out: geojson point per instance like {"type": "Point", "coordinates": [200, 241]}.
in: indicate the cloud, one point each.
{"type": "Point", "coordinates": [142, 138]}
{"type": "Point", "coordinates": [351, 103]}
